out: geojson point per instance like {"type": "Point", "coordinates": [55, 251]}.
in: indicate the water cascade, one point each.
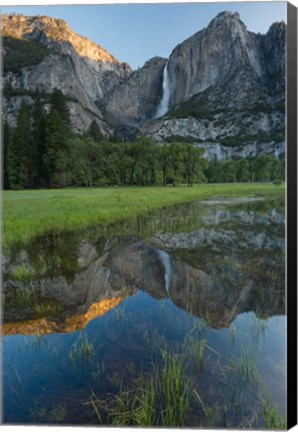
{"type": "Point", "coordinates": [276, 155]}
{"type": "Point", "coordinates": [166, 261]}
{"type": "Point", "coordinates": [164, 103]}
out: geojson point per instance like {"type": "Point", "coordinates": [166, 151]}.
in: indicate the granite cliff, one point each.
{"type": "Point", "coordinates": [226, 84]}
{"type": "Point", "coordinates": [56, 57]}
{"type": "Point", "coordinates": [227, 89]}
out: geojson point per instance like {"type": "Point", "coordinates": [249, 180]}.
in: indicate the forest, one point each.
{"type": "Point", "coordinates": [43, 152]}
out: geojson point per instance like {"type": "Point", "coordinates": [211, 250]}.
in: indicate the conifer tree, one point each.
{"type": "Point", "coordinates": [19, 165]}
{"type": "Point", "coordinates": [6, 141]}
{"type": "Point", "coordinates": [57, 137]}
{"type": "Point", "coordinates": [94, 132]}
{"type": "Point", "coordinates": [39, 138]}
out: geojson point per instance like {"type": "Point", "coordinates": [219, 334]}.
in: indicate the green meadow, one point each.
{"type": "Point", "coordinates": [28, 213]}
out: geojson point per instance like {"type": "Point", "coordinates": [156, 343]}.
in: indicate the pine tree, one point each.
{"type": "Point", "coordinates": [58, 103]}
{"type": "Point", "coordinates": [39, 138]}
{"type": "Point", "coordinates": [6, 140]}
{"type": "Point", "coordinates": [94, 132]}
{"type": "Point", "coordinates": [19, 164]}
{"type": "Point", "coordinates": [57, 135]}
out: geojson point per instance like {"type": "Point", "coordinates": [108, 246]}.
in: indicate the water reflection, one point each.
{"type": "Point", "coordinates": [91, 313]}
{"type": "Point", "coordinates": [214, 273]}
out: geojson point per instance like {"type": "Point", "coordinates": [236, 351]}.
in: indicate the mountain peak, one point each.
{"type": "Point", "coordinates": [228, 14]}
{"type": "Point", "coordinates": [278, 26]}
{"type": "Point", "coordinates": [50, 29]}
{"type": "Point", "coordinates": [226, 18]}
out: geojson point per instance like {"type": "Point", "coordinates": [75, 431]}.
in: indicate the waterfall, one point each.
{"type": "Point", "coordinates": [164, 103]}
{"type": "Point", "coordinates": [276, 155]}
{"type": "Point", "coordinates": [166, 261]}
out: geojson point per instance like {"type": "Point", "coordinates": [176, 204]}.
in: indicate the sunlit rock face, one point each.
{"type": "Point", "coordinates": [82, 70]}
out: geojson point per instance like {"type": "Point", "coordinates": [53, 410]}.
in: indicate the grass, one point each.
{"type": "Point", "coordinates": [27, 214]}
{"type": "Point", "coordinates": [81, 349]}
{"type": "Point", "coordinates": [162, 399]}
{"type": "Point", "coordinates": [273, 419]}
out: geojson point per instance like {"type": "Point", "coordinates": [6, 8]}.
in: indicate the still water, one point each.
{"type": "Point", "coordinates": [90, 319]}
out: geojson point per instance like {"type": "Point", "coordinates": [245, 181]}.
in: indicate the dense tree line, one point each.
{"type": "Point", "coordinates": [42, 152]}
{"type": "Point", "coordinates": [261, 168]}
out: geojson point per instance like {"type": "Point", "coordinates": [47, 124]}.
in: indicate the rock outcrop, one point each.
{"type": "Point", "coordinates": [226, 84]}
{"type": "Point", "coordinates": [134, 101]}
{"type": "Point", "coordinates": [82, 70]}
{"type": "Point", "coordinates": [227, 89]}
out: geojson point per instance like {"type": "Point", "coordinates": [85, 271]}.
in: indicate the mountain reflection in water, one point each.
{"type": "Point", "coordinates": [94, 313]}
{"type": "Point", "coordinates": [215, 273]}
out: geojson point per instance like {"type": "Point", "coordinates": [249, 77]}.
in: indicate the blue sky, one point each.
{"type": "Point", "coordinates": [134, 33]}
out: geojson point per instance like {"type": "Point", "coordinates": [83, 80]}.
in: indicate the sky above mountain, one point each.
{"type": "Point", "coordinates": [134, 33]}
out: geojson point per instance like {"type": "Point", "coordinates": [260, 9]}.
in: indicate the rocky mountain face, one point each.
{"type": "Point", "coordinates": [134, 101]}
{"type": "Point", "coordinates": [57, 58]}
{"type": "Point", "coordinates": [227, 90]}
{"type": "Point", "coordinates": [226, 84]}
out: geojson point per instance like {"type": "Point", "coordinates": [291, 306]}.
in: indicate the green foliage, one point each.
{"type": "Point", "coordinates": [36, 151]}
{"type": "Point", "coordinates": [6, 142]}
{"type": "Point", "coordinates": [274, 420]}
{"type": "Point", "coordinates": [56, 140]}
{"type": "Point", "coordinates": [81, 350]}
{"type": "Point", "coordinates": [261, 168]}
{"type": "Point", "coordinates": [181, 139]}
{"type": "Point", "coordinates": [192, 108]}
{"type": "Point", "coordinates": [27, 214]}
{"type": "Point", "coordinates": [161, 399]}
{"type": "Point", "coordinates": [39, 139]}
{"type": "Point", "coordinates": [19, 164]}
{"type": "Point", "coordinates": [94, 132]}
{"type": "Point", "coordinates": [21, 53]}
{"type": "Point", "coordinates": [42, 152]}
{"type": "Point", "coordinates": [242, 139]}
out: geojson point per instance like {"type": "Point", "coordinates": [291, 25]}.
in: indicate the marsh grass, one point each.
{"type": "Point", "coordinates": [242, 383]}
{"type": "Point", "coordinates": [172, 389]}
{"type": "Point", "coordinates": [195, 345]}
{"type": "Point", "coordinates": [81, 350]}
{"type": "Point", "coordinates": [273, 418]}
{"type": "Point", "coordinates": [197, 348]}
{"type": "Point", "coordinates": [160, 399]}
{"type": "Point", "coordinates": [246, 369]}
{"type": "Point", "coordinates": [27, 214]}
